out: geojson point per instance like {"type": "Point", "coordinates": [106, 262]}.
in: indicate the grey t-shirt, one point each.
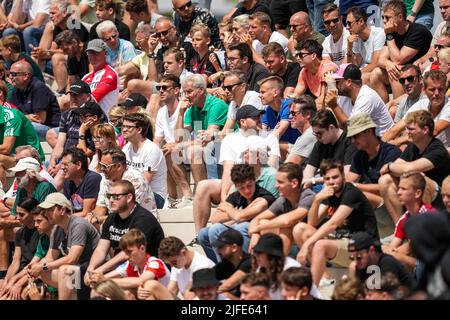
{"type": "Point", "coordinates": [304, 144]}
{"type": "Point", "coordinates": [404, 106]}
{"type": "Point", "coordinates": [79, 233]}
{"type": "Point", "coordinates": [282, 205]}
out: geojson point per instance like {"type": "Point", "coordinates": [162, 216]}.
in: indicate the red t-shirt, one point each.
{"type": "Point", "coordinates": [399, 231]}
{"type": "Point", "coordinates": [153, 264]}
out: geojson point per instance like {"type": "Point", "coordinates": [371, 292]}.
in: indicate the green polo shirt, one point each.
{"type": "Point", "coordinates": [214, 111]}
{"type": "Point", "coordinates": [13, 123]}
{"type": "Point", "coordinates": [40, 192]}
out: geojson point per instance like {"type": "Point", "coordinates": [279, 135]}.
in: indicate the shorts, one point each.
{"type": "Point", "coordinates": [342, 258]}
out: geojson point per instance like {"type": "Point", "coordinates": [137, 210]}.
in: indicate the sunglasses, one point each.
{"type": "Point", "coordinates": [104, 167]}
{"type": "Point", "coordinates": [162, 33]}
{"type": "Point", "coordinates": [410, 79]}
{"type": "Point", "coordinates": [302, 55]}
{"type": "Point", "coordinates": [15, 74]}
{"type": "Point", "coordinates": [294, 26]}
{"type": "Point", "coordinates": [358, 257]}
{"type": "Point", "coordinates": [350, 23]}
{"type": "Point", "coordinates": [185, 6]}
{"type": "Point", "coordinates": [327, 22]}
{"type": "Point", "coordinates": [163, 87]}
{"type": "Point", "coordinates": [124, 127]}
{"type": "Point", "coordinates": [439, 46]}
{"type": "Point", "coordinates": [294, 113]}
{"type": "Point", "coordinates": [110, 38]}
{"type": "Point", "coordinates": [115, 196]}
{"type": "Point", "coordinates": [230, 87]}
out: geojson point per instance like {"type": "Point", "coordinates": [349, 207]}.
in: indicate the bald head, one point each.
{"type": "Point", "coordinates": [22, 66]}
{"type": "Point", "coordinates": [300, 18]}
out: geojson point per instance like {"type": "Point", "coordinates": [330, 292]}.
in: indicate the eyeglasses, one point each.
{"type": "Point", "coordinates": [66, 164]}
{"type": "Point", "coordinates": [114, 120]}
{"type": "Point", "coordinates": [15, 74]}
{"type": "Point", "coordinates": [105, 167]}
{"type": "Point", "coordinates": [293, 26]}
{"type": "Point", "coordinates": [350, 23]}
{"type": "Point", "coordinates": [114, 36]}
{"type": "Point", "coordinates": [327, 22]}
{"type": "Point", "coordinates": [115, 196]}
{"type": "Point", "coordinates": [294, 113]}
{"type": "Point", "coordinates": [409, 79]}
{"type": "Point", "coordinates": [124, 127]}
{"type": "Point", "coordinates": [302, 55]}
{"type": "Point", "coordinates": [97, 138]}
{"type": "Point", "coordinates": [231, 86]}
{"type": "Point", "coordinates": [439, 46]}
{"type": "Point", "coordinates": [163, 87]}
{"type": "Point", "coordinates": [387, 18]}
{"type": "Point", "coordinates": [163, 33]}
{"type": "Point", "coordinates": [185, 6]}
{"type": "Point", "coordinates": [358, 257]}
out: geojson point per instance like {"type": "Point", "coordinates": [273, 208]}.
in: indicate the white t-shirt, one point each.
{"type": "Point", "coordinates": [251, 98]}
{"type": "Point", "coordinates": [440, 30]}
{"type": "Point", "coordinates": [368, 101]}
{"type": "Point", "coordinates": [274, 37]}
{"type": "Point", "coordinates": [424, 104]}
{"type": "Point", "coordinates": [149, 156]}
{"type": "Point", "coordinates": [165, 125]}
{"type": "Point", "coordinates": [183, 276]}
{"type": "Point", "coordinates": [32, 7]}
{"type": "Point", "coordinates": [375, 42]}
{"type": "Point", "coordinates": [336, 50]}
{"type": "Point", "coordinates": [234, 145]}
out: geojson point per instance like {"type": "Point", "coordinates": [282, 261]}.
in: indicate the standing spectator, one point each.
{"type": "Point", "coordinates": [335, 44]}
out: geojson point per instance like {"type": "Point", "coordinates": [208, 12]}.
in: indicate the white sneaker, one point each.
{"type": "Point", "coordinates": [184, 202]}
{"type": "Point", "coordinates": [325, 282]}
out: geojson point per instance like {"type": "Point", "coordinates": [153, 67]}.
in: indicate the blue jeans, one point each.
{"type": "Point", "coordinates": [315, 8]}
{"type": "Point", "coordinates": [203, 3]}
{"type": "Point", "coordinates": [42, 129]}
{"type": "Point", "coordinates": [159, 200]}
{"type": "Point", "coordinates": [425, 19]}
{"type": "Point", "coordinates": [208, 235]}
{"type": "Point", "coordinates": [31, 37]}
{"type": "Point", "coordinates": [213, 168]}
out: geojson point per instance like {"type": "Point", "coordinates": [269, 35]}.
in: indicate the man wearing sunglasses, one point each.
{"type": "Point", "coordinates": [301, 29]}
{"type": "Point", "coordinates": [186, 14]}
{"type": "Point", "coordinates": [335, 44]}
{"type": "Point", "coordinates": [366, 252]}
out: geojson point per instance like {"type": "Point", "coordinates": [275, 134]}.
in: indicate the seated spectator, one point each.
{"type": "Point", "coordinates": [174, 63]}
{"type": "Point", "coordinates": [135, 103]}
{"type": "Point", "coordinates": [103, 81]}
{"type": "Point", "coordinates": [290, 208]}
{"type": "Point", "coordinates": [363, 98]}
{"type": "Point", "coordinates": [335, 44]}
{"type": "Point", "coordinates": [365, 42]}
{"type": "Point", "coordinates": [276, 62]}
{"type": "Point", "coordinates": [296, 284]}
{"type": "Point", "coordinates": [90, 114]}
{"type": "Point", "coordinates": [35, 100]}
{"type": "Point", "coordinates": [145, 156]}
{"type": "Point", "coordinates": [167, 139]}
{"type": "Point", "coordinates": [267, 253]}
{"type": "Point", "coordinates": [444, 62]}
{"type": "Point", "coordinates": [366, 251]}
{"type": "Point", "coordinates": [237, 211]}
{"type": "Point", "coordinates": [108, 290]}
{"type": "Point", "coordinates": [119, 51]}
{"type": "Point", "coordinates": [81, 185]}
{"type": "Point", "coordinates": [115, 115]}
{"type": "Point", "coordinates": [435, 86]}
{"type": "Point", "coordinates": [26, 242]}
{"type": "Point", "coordinates": [345, 209]}
{"type": "Point", "coordinates": [372, 155]}
{"type": "Point", "coordinates": [389, 288]}
{"type": "Point", "coordinates": [301, 30]}
{"type": "Point", "coordinates": [423, 153]}
{"type": "Point", "coordinates": [349, 288]}
{"type": "Point", "coordinates": [205, 285]}
{"type": "Point", "coordinates": [112, 11]}
{"type": "Point", "coordinates": [235, 263]}
{"type": "Point", "coordinates": [431, 60]}
{"type": "Point", "coordinates": [410, 193]}
{"type": "Point", "coordinates": [104, 138]}
{"type": "Point", "coordinates": [10, 48]}
{"type": "Point", "coordinates": [255, 286]}
{"type": "Point", "coordinates": [4, 87]}
{"type": "Point", "coordinates": [406, 43]}
{"type": "Point", "coordinates": [332, 143]}
{"type": "Point", "coordinates": [314, 69]}
{"type": "Point", "coordinates": [64, 259]}
{"type": "Point", "coordinates": [184, 263]}
{"type": "Point", "coordinates": [126, 214]}
{"type": "Point", "coordinates": [301, 112]}
{"type": "Point", "coordinates": [240, 57]}
{"type": "Point", "coordinates": [143, 192]}
{"type": "Point", "coordinates": [249, 7]}
{"type": "Point", "coordinates": [139, 267]}
{"type": "Point", "coordinates": [140, 13]}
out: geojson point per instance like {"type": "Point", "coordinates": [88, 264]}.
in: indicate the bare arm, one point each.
{"type": "Point", "coordinates": [232, 281]}
{"type": "Point", "coordinates": [281, 128]}
{"type": "Point", "coordinates": [395, 131]}
{"type": "Point", "coordinates": [374, 63]}
{"type": "Point", "coordinates": [226, 180]}
{"type": "Point", "coordinates": [7, 145]}
{"type": "Point", "coordinates": [127, 68]}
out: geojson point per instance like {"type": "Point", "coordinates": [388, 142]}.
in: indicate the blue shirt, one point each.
{"type": "Point", "coordinates": [124, 53]}
{"type": "Point", "coordinates": [271, 118]}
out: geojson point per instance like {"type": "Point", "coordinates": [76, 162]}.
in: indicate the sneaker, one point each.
{"type": "Point", "coordinates": [173, 203]}
{"type": "Point", "coordinates": [325, 282]}
{"type": "Point", "coordinates": [184, 202]}
{"type": "Point", "coordinates": [194, 243]}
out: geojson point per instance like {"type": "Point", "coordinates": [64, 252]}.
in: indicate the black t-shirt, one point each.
{"type": "Point", "coordinates": [343, 150]}
{"type": "Point", "coordinates": [77, 67]}
{"type": "Point", "coordinates": [70, 124]}
{"type": "Point", "coordinates": [88, 189]}
{"type": "Point", "coordinates": [115, 227]}
{"type": "Point", "coordinates": [239, 202]}
{"type": "Point", "coordinates": [225, 269]}
{"type": "Point", "coordinates": [436, 153]}
{"type": "Point", "coordinates": [362, 218]}
{"type": "Point", "coordinates": [124, 30]}
{"type": "Point", "coordinates": [259, 7]}
{"type": "Point", "coordinates": [417, 37]}
{"type": "Point", "coordinates": [290, 78]}
{"type": "Point", "coordinates": [80, 31]}
{"type": "Point", "coordinates": [369, 170]}
{"type": "Point", "coordinates": [255, 73]}
{"type": "Point", "coordinates": [388, 263]}
{"type": "Point", "coordinates": [202, 65]}
{"type": "Point", "coordinates": [37, 97]}
{"type": "Point", "coordinates": [27, 240]}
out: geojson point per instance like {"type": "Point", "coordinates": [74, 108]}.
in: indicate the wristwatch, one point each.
{"type": "Point", "coordinates": [45, 266]}
{"type": "Point", "coordinates": [389, 37]}
{"type": "Point", "coordinates": [151, 55]}
{"type": "Point", "coordinates": [413, 14]}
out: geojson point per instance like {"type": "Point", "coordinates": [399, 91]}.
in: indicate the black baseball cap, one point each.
{"type": "Point", "coordinates": [134, 100]}
{"type": "Point", "coordinates": [79, 87]}
{"type": "Point", "coordinates": [230, 236]}
{"type": "Point", "coordinates": [89, 107]}
{"type": "Point", "coordinates": [204, 278]}
{"type": "Point", "coordinates": [362, 240]}
{"type": "Point", "coordinates": [271, 244]}
{"type": "Point", "coordinates": [248, 111]}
